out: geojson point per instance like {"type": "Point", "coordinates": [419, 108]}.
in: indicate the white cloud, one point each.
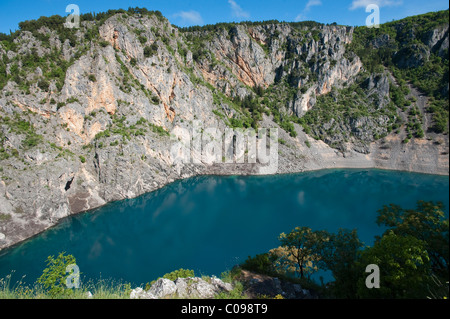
{"type": "Point", "coordinates": [189, 17]}
{"type": "Point", "coordinates": [380, 3]}
{"type": "Point", "coordinates": [237, 10]}
{"type": "Point", "coordinates": [311, 3]}
{"type": "Point", "coordinates": [300, 17]}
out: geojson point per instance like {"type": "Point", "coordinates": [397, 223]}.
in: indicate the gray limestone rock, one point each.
{"type": "Point", "coordinates": [185, 288]}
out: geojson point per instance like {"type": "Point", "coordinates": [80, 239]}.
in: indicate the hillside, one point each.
{"type": "Point", "coordinates": [89, 115]}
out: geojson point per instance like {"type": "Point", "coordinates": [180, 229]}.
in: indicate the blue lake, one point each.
{"type": "Point", "coordinates": [211, 223]}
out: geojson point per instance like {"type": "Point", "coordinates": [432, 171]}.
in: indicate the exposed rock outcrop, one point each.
{"type": "Point", "coordinates": [185, 288]}
{"type": "Point", "coordinates": [262, 286]}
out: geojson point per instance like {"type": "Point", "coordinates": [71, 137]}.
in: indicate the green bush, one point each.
{"type": "Point", "coordinates": [159, 130]}
{"type": "Point", "coordinates": [289, 127]}
{"type": "Point", "coordinates": [262, 264]}
{"type": "Point", "coordinates": [142, 39]}
{"type": "Point", "coordinates": [72, 100]}
{"type": "Point", "coordinates": [420, 133]}
{"type": "Point", "coordinates": [180, 273]}
{"type": "Point", "coordinates": [150, 51]}
{"type": "Point", "coordinates": [43, 85]}
{"type": "Point", "coordinates": [174, 275]}
{"type": "Point", "coordinates": [53, 278]}
{"type": "Point", "coordinates": [155, 100]}
{"type": "Point", "coordinates": [104, 43]}
{"type": "Point", "coordinates": [32, 140]}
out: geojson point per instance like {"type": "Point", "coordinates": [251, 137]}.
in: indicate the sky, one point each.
{"type": "Point", "coordinates": [200, 12]}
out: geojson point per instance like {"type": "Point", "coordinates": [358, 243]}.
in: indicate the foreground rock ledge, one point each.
{"type": "Point", "coordinates": [255, 286]}
{"type": "Point", "coordinates": [185, 288]}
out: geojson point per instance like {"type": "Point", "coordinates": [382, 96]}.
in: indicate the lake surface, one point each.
{"type": "Point", "coordinates": [211, 223]}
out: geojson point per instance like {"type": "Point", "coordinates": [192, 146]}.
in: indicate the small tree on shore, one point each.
{"type": "Point", "coordinates": [54, 277]}
{"type": "Point", "coordinates": [298, 250]}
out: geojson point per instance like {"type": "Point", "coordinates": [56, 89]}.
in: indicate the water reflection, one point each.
{"type": "Point", "coordinates": [211, 223]}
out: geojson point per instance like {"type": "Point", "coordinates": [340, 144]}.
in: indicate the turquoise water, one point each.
{"type": "Point", "coordinates": [211, 223]}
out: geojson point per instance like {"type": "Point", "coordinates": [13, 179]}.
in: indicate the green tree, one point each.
{"type": "Point", "coordinates": [300, 247]}
{"type": "Point", "coordinates": [427, 223]}
{"type": "Point", "coordinates": [339, 252]}
{"type": "Point", "coordinates": [404, 268]}
{"type": "Point", "coordinates": [54, 277]}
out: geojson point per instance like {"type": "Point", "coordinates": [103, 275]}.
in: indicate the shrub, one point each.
{"type": "Point", "coordinates": [159, 130]}
{"type": "Point", "coordinates": [32, 140]}
{"type": "Point", "coordinates": [155, 100]}
{"type": "Point", "coordinates": [92, 78]}
{"type": "Point", "coordinates": [54, 276]}
{"type": "Point", "coordinates": [289, 127]}
{"type": "Point", "coordinates": [43, 85]}
{"type": "Point", "coordinates": [174, 275]}
{"type": "Point", "coordinates": [82, 159]}
{"type": "Point", "coordinates": [142, 39]}
{"type": "Point", "coordinates": [150, 51]}
{"type": "Point", "coordinates": [262, 264]}
{"type": "Point", "coordinates": [104, 43]}
{"type": "Point", "coordinates": [147, 52]}
{"type": "Point", "coordinates": [72, 100]}
{"type": "Point", "coordinates": [180, 273]}
{"type": "Point", "coordinates": [420, 133]}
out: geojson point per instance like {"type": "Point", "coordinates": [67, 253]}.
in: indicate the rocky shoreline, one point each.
{"type": "Point", "coordinates": [316, 157]}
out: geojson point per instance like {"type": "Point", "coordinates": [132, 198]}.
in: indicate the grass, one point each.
{"type": "Point", "coordinates": [236, 293]}
{"type": "Point", "coordinates": [100, 289]}
{"type": "Point", "coordinates": [104, 288]}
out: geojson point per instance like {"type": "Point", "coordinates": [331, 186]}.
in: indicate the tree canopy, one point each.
{"type": "Point", "coordinates": [412, 255]}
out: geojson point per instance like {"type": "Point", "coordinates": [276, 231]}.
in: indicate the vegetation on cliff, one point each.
{"type": "Point", "coordinates": [406, 48]}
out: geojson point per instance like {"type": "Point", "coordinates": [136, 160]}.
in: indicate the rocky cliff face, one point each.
{"type": "Point", "coordinates": [91, 116]}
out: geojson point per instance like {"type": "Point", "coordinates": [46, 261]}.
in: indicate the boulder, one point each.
{"type": "Point", "coordinates": [140, 293]}
{"type": "Point", "coordinates": [183, 288]}
{"type": "Point", "coordinates": [163, 288]}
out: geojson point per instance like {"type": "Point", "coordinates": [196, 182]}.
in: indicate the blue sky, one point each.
{"type": "Point", "coordinates": [200, 12]}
